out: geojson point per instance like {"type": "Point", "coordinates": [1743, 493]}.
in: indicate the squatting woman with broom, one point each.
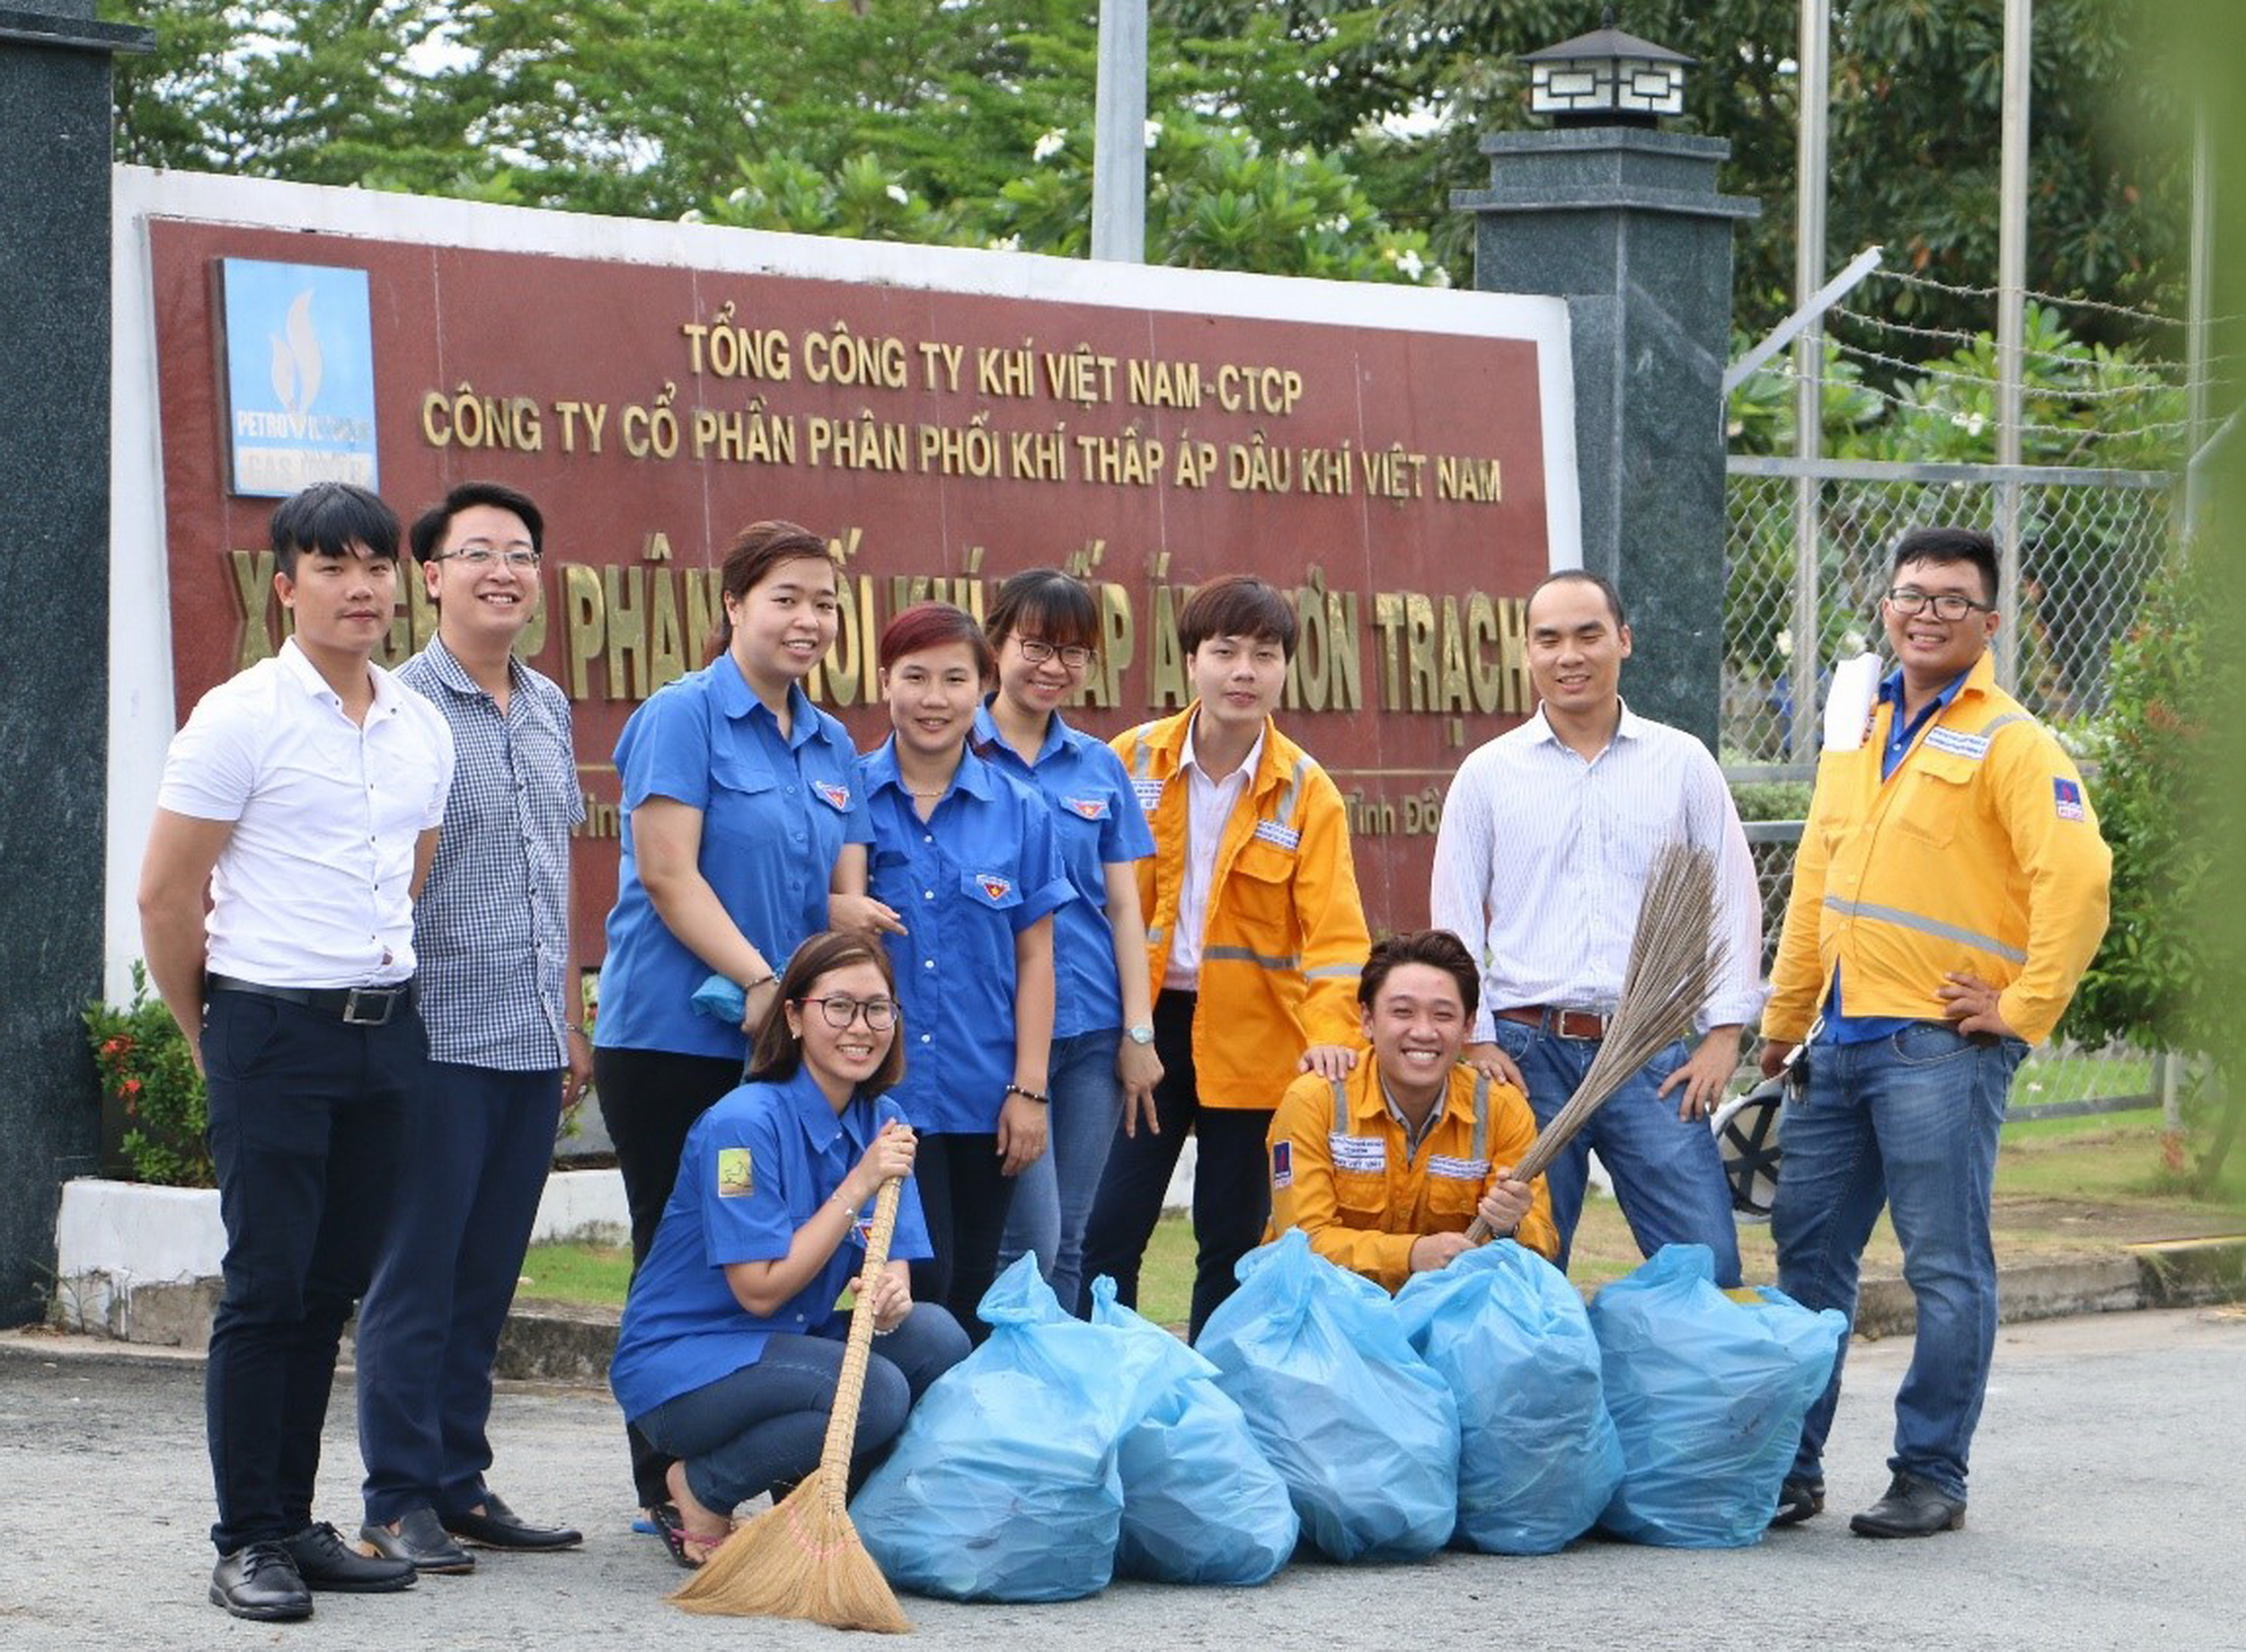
{"type": "Point", "coordinates": [731, 1344]}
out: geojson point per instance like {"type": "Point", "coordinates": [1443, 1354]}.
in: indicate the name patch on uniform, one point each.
{"type": "Point", "coordinates": [2067, 797]}
{"type": "Point", "coordinates": [1285, 837]}
{"type": "Point", "coordinates": [1282, 1164]}
{"type": "Point", "coordinates": [1358, 1152]}
{"type": "Point", "coordinates": [1457, 1170]}
{"type": "Point", "coordinates": [837, 797]}
{"type": "Point", "coordinates": [1958, 744]}
{"type": "Point", "coordinates": [1149, 794]}
{"type": "Point", "coordinates": [1086, 808]}
{"type": "Point", "coordinates": [992, 885]}
{"type": "Point", "coordinates": [736, 1173]}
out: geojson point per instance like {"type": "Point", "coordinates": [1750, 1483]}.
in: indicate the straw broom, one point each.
{"type": "Point", "coordinates": [1674, 956]}
{"type": "Point", "coordinates": [802, 1558]}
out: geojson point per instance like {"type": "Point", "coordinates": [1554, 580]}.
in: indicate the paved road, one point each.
{"type": "Point", "coordinates": [2106, 1515]}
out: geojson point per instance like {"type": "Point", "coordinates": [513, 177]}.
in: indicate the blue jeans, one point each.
{"type": "Point", "coordinates": [429, 1328]}
{"type": "Point", "coordinates": [1910, 1121]}
{"type": "Point", "coordinates": [767, 1423]}
{"type": "Point", "coordinates": [1669, 1176]}
{"type": "Point", "coordinates": [1052, 1199]}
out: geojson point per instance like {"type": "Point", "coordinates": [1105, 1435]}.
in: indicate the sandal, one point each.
{"type": "Point", "coordinates": [689, 1550]}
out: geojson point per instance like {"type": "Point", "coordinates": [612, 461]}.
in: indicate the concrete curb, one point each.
{"type": "Point", "coordinates": [571, 1343]}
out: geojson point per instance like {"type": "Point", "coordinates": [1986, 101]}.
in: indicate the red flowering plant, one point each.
{"type": "Point", "coordinates": [146, 1070]}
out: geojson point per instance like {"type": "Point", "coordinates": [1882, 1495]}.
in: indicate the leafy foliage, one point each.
{"type": "Point", "coordinates": [146, 1065]}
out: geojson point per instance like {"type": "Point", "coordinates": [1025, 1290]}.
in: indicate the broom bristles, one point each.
{"type": "Point", "coordinates": [801, 1558]}
{"type": "Point", "coordinates": [1675, 954]}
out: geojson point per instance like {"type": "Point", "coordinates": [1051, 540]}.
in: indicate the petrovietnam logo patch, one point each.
{"type": "Point", "coordinates": [736, 1173]}
{"type": "Point", "coordinates": [2067, 795]}
{"type": "Point", "coordinates": [836, 797]}
{"type": "Point", "coordinates": [1282, 1164]}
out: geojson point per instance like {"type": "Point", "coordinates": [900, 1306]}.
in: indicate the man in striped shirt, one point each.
{"type": "Point", "coordinates": [1549, 834]}
{"type": "Point", "coordinates": [493, 932]}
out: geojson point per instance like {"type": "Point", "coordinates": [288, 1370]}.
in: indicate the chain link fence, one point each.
{"type": "Point", "coordinates": [2088, 541]}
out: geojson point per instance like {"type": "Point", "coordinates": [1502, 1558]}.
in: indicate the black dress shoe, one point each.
{"type": "Point", "coordinates": [258, 1580]}
{"type": "Point", "coordinates": [324, 1562]}
{"type": "Point", "coordinates": [419, 1541]}
{"type": "Point", "coordinates": [1797, 1500]}
{"type": "Point", "coordinates": [500, 1527]}
{"type": "Point", "coordinates": [1912, 1508]}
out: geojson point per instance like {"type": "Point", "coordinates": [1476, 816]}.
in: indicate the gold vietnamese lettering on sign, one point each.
{"type": "Point", "coordinates": [1003, 370]}
{"type": "Point", "coordinates": [594, 415]}
{"type": "Point", "coordinates": [837, 355]}
{"type": "Point", "coordinates": [939, 365]}
{"type": "Point", "coordinates": [1163, 384]}
{"type": "Point", "coordinates": [727, 351]}
{"type": "Point", "coordinates": [469, 420]}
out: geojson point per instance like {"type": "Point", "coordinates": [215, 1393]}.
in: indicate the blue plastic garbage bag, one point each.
{"type": "Point", "coordinates": [720, 999]}
{"type": "Point", "coordinates": [1362, 1433]}
{"type": "Point", "coordinates": [1004, 1484]}
{"type": "Point", "coordinates": [1708, 1395]}
{"type": "Point", "coordinates": [1538, 1456]}
{"type": "Point", "coordinates": [1200, 1505]}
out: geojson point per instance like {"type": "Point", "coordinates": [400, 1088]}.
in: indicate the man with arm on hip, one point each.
{"type": "Point", "coordinates": [491, 930]}
{"type": "Point", "coordinates": [302, 798]}
{"type": "Point", "coordinates": [1950, 891]}
{"type": "Point", "coordinates": [1548, 837]}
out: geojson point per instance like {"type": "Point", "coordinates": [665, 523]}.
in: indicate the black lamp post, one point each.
{"type": "Point", "coordinates": [1607, 78]}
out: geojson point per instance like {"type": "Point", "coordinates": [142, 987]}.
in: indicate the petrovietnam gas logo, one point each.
{"type": "Point", "coordinates": [300, 376]}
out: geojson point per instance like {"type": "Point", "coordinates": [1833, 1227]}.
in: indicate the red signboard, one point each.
{"type": "Point", "coordinates": [1393, 480]}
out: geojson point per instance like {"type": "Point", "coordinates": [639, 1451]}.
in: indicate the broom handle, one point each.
{"type": "Point", "coordinates": [1534, 1163]}
{"type": "Point", "coordinates": [841, 1424]}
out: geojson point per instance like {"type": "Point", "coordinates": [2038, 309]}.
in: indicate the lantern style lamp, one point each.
{"type": "Point", "coordinates": [1607, 78]}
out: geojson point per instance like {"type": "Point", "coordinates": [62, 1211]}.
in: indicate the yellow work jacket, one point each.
{"type": "Point", "coordinates": [1339, 1170]}
{"type": "Point", "coordinates": [1285, 937]}
{"type": "Point", "coordinates": [1980, 854]}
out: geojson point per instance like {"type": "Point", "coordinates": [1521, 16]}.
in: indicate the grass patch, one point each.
{"type": "Point", "coordinates": [2064, 1187]}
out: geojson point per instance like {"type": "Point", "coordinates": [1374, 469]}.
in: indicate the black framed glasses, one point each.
{"type": "Point", "coordinates": [840, 1011]}
{"type": "Point", "coordinates": [1906, 600]}
{"type": "Point", "coordinates": [1037, 650]}
{"type": "Point", "coordinates": [480, 554]}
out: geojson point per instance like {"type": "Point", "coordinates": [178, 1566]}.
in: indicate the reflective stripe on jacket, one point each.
{"type": "Point", "coordinates": [1980, 854]}
{"type": "Point", "coordinates": [1341, 1174]}
{"type": "Point", "coordinates": [1285, 937]}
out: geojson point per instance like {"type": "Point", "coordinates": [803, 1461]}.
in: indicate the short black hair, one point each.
{"type": "Point", "coordinates": [1437, 949]}
{"type": "Point", "coordinates": [1060, 606]}
{"type": "Point", "coordinates": [1943, 546]}
{"type": "Point", "coordinates": [1604, 585]}
{"type": "Point", "coordinates": [330, 519]}
{"type": "Point", "coordinates": [430, 526]}
{"type": "Point", "coordinates": [1238, 605]}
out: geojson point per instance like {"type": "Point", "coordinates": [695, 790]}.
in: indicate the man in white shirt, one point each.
{"type": "Point", "coordinates": [1548, 836]}
{"type": "Point", "coordinates": [302, 798]}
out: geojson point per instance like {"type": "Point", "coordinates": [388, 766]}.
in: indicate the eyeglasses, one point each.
{"type": "Point", "coordinates": [480, 554]}
{"type": "Point", "coordinates": [1946, 604]}
{"type": "Point", "coordinates": [880, 1014]}
{"type": "Point", "coordinates": [1037, 650]}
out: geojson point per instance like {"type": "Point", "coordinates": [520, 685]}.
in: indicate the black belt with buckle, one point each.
{"type": "Point", "coordinates": [354, 1006]}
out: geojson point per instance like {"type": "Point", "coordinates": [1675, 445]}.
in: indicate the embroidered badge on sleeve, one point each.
{"type": "Point", "coordinates": [1282, 1164]}
{"type": "Point", "coordinates": [736, 1173]}
{"type": "Point", "coordinates": [2068, 797]}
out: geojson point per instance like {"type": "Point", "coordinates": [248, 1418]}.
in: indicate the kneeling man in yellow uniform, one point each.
{"type": "Point", "coordinates": [1385, 1169]}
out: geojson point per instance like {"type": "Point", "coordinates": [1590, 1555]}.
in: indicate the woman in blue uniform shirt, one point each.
{"type": "Point", "coordinates": [1045, 629]}
{"type": "Point", "coordinates": [732, 1344]}
{"type": "Point", "coordinates": [740, 814]}
{"type": "Point", "coordinates": [968, 878]}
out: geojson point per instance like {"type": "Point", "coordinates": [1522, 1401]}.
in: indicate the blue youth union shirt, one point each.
{"type": "Point", "coordinates": [776, 811]}
{"type": "Point", "coordinates": [966, 881]}
{"type": "Point", "coordinates": [756, 1167]}
{"type": "Point", "coordinates": [1097, 822]}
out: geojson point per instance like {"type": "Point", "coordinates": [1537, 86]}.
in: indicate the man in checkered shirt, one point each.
{"type": "Point", "coordinates": [492, 929]}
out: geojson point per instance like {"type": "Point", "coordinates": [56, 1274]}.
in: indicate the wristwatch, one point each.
{"type": "Point", "coordinates": [1141, 1035]}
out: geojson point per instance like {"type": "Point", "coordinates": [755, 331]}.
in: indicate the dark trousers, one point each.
{"type": "Point", "coordinates": [965, 1200]}
{"type": "Point", "coordinates": [1232, 1183]}
{"type": "Point", "coordinates": [306, 1117]}
{"type": "Point", "coordinates": [649, 1100]}
{"type": "Point", "coordinates": [430, 1327]}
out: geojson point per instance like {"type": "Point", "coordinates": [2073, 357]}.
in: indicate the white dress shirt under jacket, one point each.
{"type": "Point", "coordinates": [310, 889]}
{"type": "Point", "coordinates": [1209, 804]}
{"type": "Point", "coordinates": [1542, 861]}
